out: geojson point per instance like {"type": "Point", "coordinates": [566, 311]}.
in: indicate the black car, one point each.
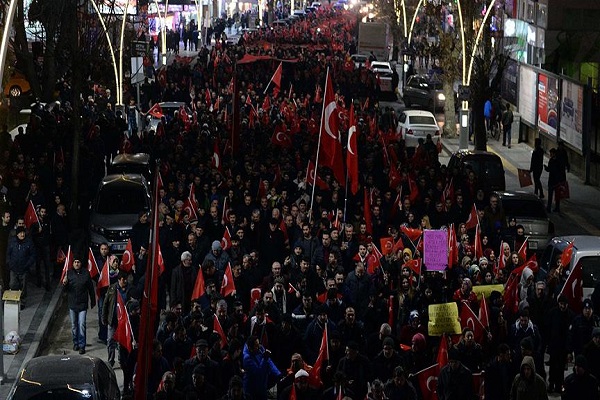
{"type": "Point", "coordinates": [71, 377]}
{"type": "Point", "coordinates": [424, 92]}
{"type": "Point", "coordinates": [487, 167]}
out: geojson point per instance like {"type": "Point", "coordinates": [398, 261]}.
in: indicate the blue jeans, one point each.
{"type": "Point", "coordinates": [78, 327]}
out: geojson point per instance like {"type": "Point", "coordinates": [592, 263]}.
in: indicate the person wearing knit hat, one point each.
{"type": "Point", "coordinates": [580, 384]}
{"type": "Point", "coordinates": [301, 387]}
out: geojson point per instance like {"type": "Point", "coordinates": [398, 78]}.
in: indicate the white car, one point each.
{"type": "Point", "coordinates": [384, 73]}
{"type": "Point", "coordinates": [416, 124]}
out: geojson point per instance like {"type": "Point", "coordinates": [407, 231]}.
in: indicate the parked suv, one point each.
{"type": "Point", "coordinates": [116, 207]}
{"type": "Point", "coordinates": [530, 212]}
{"type": "Point", "coordinates": [487, 167]}
{"type": "Point", "coordinates": [586, 250]}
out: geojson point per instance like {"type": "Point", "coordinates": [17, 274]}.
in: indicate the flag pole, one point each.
{"type": "Point", "coordinates": [347, 175]}
{"type": "Point", "coordinates": [312, 196]}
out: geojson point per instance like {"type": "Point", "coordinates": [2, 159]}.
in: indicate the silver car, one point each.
{"type": "Point", "coordinates": [116, 207]}
{"type": "Point", "coordinates": [530, 212]}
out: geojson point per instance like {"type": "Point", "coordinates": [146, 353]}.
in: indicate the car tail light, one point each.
{"type": "Point", "coordinates": [409, 132]}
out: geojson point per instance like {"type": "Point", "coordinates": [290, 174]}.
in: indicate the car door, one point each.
{"type": "Point", "coordinates": [108, 389]}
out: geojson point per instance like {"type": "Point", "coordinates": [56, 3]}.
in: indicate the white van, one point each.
{"type": "Point", "coordinates": [586, 250]}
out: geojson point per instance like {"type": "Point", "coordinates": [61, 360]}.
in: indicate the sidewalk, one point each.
{"type": "Point", "coordinates": [580, 211]}
{"type": "Point", "coordinates": [34, 328]}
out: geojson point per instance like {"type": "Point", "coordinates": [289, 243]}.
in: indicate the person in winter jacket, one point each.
{"type": "Point", "coordinates": [20, 258]}
{"type": "Point", "coordinates": [528, 385]}
{"type": "Point", "coordinates": [260, 369]}
{"type": "Point", "coordinates": [455, 381]}
{"type": "Point", "coordinates": [580, 384]}
{"type": "Point", "coordinates": [79, 287]}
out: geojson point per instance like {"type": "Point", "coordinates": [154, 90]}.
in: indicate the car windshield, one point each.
{"type": "Point", "coordinates": [121, 199]}
{"type": "Point", "coordinates": [519, 208]}
{"type": "Point", "coordinates": [421, 120]}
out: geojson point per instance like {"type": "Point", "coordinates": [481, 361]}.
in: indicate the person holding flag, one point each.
{"type": "Point", "coordinates": [79, 287]}
{"type": "Point", "coordinates": [455, 381]}
{"type": "Point", "coordinates": [109, 314]}
{"type": "Point", "coordinates": [299, 389]}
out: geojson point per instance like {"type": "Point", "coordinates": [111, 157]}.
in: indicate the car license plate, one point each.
{"type": "Point", "coordinates": [533, 245]}
{"type": "Point", "coordinates": [118, 247]}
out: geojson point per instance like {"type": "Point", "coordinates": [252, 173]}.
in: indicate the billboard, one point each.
{"type": "Point", "coordinates": [547, 104]}
{"type": "Point", "coordinates": [527, 94]}
{"type": "Point", "coordinates": [571, 118]}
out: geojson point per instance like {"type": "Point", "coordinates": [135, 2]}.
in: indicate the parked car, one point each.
{"type": "Point", "coordinates": [359, 60]}
{"type": "Point", "coordinates": [487, 167]}
{"type": "Point", "coordinates": [280, 23]}
{"type": "Point", "coordinates": [586, 250]}
{"type": "Point", "coordinates": [530, 212]}
{"type": "Point", "coordinates": [384, 72]}
{"type": "Point", "coordinates": [116, 207]}
{"type": "Point", "coordinates": [417, 124]}
{"type": "Point", "coordinates": [424, 92]}
{"type": "Point", "coordinates": [168, 110]}
{"type": "Point", "coordinates": [65, 377]}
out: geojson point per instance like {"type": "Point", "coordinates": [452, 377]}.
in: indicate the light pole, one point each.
{"type": "Point", "coordinates": [10, 13]}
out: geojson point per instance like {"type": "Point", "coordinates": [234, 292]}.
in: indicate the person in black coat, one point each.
{"type": "Point", "coordinates": [499, 375]}
{"type": "Point", "coordinates": [537, 166]}
{"type": "Point", "coordinates": [556, 175]}
{"type": "Point", "coordinates": [79, 287]}
{"type": "Point", "coordinates": [357, 369]}
{"type": "Point", "coordinates": [580, 384]}
{"type": "Point", "coordinates": [455, 381]}
{"type": "Point", "coordinates": [558, 322]}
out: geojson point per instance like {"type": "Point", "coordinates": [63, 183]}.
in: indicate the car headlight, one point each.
{"type": "Point", "coordinates": [441, 97]}
{"type": "Point", "coordinates": [97, 228]}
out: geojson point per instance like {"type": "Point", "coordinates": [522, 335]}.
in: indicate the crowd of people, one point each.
{"type": "Point", "coordinates": [303, 261]}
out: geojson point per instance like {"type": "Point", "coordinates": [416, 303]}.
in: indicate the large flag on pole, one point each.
{"type": "Point", "coordinates": [329, 135]}
{"type": "Point", "coordinates": [314, 375]}
{"type": "Point", "coordinates": [573, 288]}
{"type": "Point", "coordinates": [276, 79]}
{"type": "Point", "coordinates": [352, 153]}
{"type": "Point", "coordinates": [124, 333]}
{"type": "Point", "coordinates": [31, 216]}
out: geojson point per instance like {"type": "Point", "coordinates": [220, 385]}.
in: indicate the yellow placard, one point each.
{"type": "Point", "coordinates": [486, 290]}
{"type": "Point", "coordinates": [443, 318]}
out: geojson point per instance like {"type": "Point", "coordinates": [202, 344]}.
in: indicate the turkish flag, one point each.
{"type": "Point", "coordinates": [217, 327]}
{"type": "Point", "coordinates": [524, 177]}
{"type": "Point", "coordinates": [373, 260]}
{"type": "Point", "coordinates": [92, 266]}
{"type": "Point", "coordinates": [128, 261]}
{"type": "Point", "coordinates": [367, 212]}
{"type": "Point", "coordinates": [501, 259]}
{"type": "Point", "coordinates": [266, 105]}
{"type": "Point", "coordinates": [387, 245]}
{"type": "Point", "coordinates": [314, 375]}
{"type": "Point", "coordinates": [311, 176]}
{"type": "Point", "coordinates": [67, 265]}
{"type": "Point", "coordinates": [104, 280]}
{"type": "Point", "coordinates": [567, 254]}
{"type": "Point", "coordinates": [254, 297]}
{"type": "Point", "coordinates": [227, 285]}
{"type": "Point", "coordinates": [398, 246]}
{"type": "Point", "coordinates": [427, 379]}
{"type": "Point", "coordinates": [198, 286]}
{"type": "Point", "coordinates": [31, 215]}
{"type": "Point", "coordinates": [226, 240]}
{"type": "Point", "coordinates": [124, 333]}
{"type": "Point", "coordinates": [276, 79]}
{"type": "Point", "coordinates": [394, 178]}
{"type": "Point", "coordinates": [523, 250]}
{"type": "Point", "coordinates": [190, 207]}
{"type": "Point", "coordinates": [473, 219]}
{"type": "Point", "coordinates": [442, 356]}
{"type": "Point", "coordinates": [413, 190]}
{"type": "Point", "coordinates": [511, 293]}
{"type": "Point", "coordinates": [412, 233]}
{"type": "Point", "coordinates": [329, 135]}
{"type": "Point", "coordinates": [573, 288]}
{"type": "Point", "coordinates": [281, 139]}
{"type": "Point", "coordinates": [156, 111]}
{"type": "Point", "coordinates": [415, 265]}
{"type": "Point", "coordinates": [352, 153]}
{"type": "Point", "coordinates": [60, 256]}
{"type": "Point", "coordinates": [469, 319]}
{"type": "Point", "coordinates": [391, 310]}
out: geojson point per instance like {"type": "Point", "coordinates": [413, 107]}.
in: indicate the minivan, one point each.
{"type": "Point", "coordinates": [116, 208]}
{"type": "Point", "coordinates": [65, 377]}
{"type": "Point", "coordinates": [487, 167]}
{"type": "Point", "coordinates": [586, 249]}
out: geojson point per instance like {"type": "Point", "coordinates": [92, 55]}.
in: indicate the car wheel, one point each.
{"type": "Point", "coordinates": [15, 91]}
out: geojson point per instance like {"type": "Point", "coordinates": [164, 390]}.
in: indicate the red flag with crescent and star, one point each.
{"type": "Point", "coordinates": [128, 260]}
{"type": "Point", "coordinates": [573, 289]}
{"type": "Point", "coordinates": [124, 333]}
{"type": "Point", "coordinates": [227, 285]}
{"type": "Point", "coordinates": [427, 379]}
{"type": "Point", "coordinates": [329, 135]}
{"type": "Point", "coordinates": [352, 152]}
{"type": "Point", "coordinates": [92, 266]}
{"type": "Point", "coordinates": [469, 319]}
{"type": "Point", "coordinates": [199, 289]}
{"type": "Point", "coordinates": [387, 245]}
{"type": "Point", "coordinates": [314, 375]}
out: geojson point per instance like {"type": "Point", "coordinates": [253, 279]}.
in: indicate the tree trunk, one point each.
{"type": "Point", "coordinates": [21, 49]}
{"type": "Point", "coordinates": [77, 83]}
{"type": "Point", "coordinates": [449, 110]}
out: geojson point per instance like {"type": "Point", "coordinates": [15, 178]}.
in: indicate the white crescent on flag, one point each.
{"type": "Point", "coordinates": [351, 132]}
{"type": "Point", "coordinates": [328, 113]}
{"type": "Point", "coordinates": [224, 282]}
{"type": "Point", "coordinates": [429, 382]}
{"type": "Point", "coordinates": [280, 137]}
{"type": "Point", "coordinates": [217, 160]}
{"type": "Point", "coordinates": [127, 257]}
